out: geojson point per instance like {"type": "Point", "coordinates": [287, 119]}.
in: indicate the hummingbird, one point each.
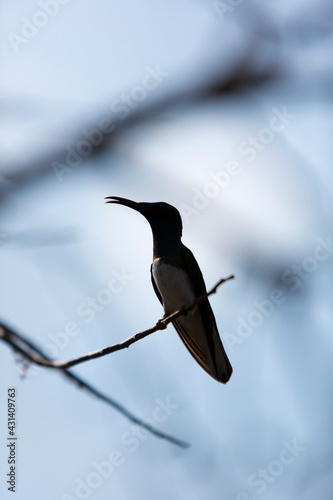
{"type": "Point", "coordinates": [177, 281]}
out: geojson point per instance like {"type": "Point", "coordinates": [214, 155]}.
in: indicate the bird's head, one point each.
{"type": "Point", "coordinates": [163, 218]}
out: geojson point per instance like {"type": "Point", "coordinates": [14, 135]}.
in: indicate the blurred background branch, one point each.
{"type": "Point", "coordinates": [30, 351]}
{"type": "Point", "coordinates": [224, 110]}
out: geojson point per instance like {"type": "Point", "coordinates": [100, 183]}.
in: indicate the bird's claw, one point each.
{"type": "Point", "coordinates": [160, 324]}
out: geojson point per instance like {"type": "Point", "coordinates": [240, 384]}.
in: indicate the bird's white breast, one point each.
{"type": "Point", "coordinates": [173, 284]}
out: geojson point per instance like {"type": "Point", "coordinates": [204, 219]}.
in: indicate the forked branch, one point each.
{"type": "Point", "coordinates": [33, 353]}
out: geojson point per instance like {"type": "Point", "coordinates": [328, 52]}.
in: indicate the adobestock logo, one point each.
{"type": "Point", "coordinates": [31, 27]}
{"type": "Point", "coordinates": [246, 326]}
{"type": "Point", "coordinates": [265, 476]}
{"type": "Point", "coordinates": [101, 471]}
{"type": "Point", "coordinates": [223, 8]}
{"type": "Point", "coordinates": [218, 181]}
{"type": "Point", "coordinates": [120, 109]}
{"type": "Point", "coordinates": [136, 434]}
{"type": "Point", "coordinates": [264, 309]}
{"type": "Point", "coordinates": [130, 442]}
{"type": "Point", "coordinates": [299, 272]}
{"type": "Point", "coordinates": [221, 179]}
{"type": "Point", "coordinates": [93, 305]}
{"type": "Point", "coordinates": [277, 124]}
{"type": "Point", "coordinates": [87, 309]}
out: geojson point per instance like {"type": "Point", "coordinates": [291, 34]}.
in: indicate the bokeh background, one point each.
{"type": "Point", "coordinates": [223, 109]}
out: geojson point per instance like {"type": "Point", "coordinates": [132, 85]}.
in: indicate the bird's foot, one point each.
{"type": "Point", "coordinates": [160, 324]}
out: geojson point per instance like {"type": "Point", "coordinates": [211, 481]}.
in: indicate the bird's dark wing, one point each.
{"type": "Point", "coordinates": [198, 330]}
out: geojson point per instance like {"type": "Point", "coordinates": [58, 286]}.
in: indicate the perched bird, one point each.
{"type": "Point", "coordinates": [178, 281]}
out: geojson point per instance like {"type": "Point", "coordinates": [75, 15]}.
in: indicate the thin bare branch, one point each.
{"type": "Point", "coordinates": [26, 347]}
{"type": "Point", "coordinates": [160, 325]}
{"type": "Point", "coordinates": [33, 353]}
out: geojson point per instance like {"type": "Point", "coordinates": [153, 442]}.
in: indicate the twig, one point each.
{"type": "Point", "coordinates": [24, 346]}
{"type": "Point", "coordinates": [33, 353]}
{"type": "Point", "coordinates": [160, 325]}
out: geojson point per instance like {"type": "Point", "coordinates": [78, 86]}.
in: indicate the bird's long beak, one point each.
{"type": "Point", "coordinates": [124, 201]}
{"type": "Point", "coordinates": [143, 208]}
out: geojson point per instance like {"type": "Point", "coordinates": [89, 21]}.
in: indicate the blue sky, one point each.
{"type": "Point", "coordinates": [249, 172]}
